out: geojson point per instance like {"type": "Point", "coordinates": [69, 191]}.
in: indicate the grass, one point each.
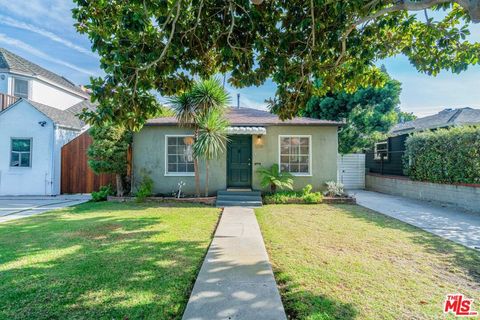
{"type": "Point", "coordinates": [346, 262]}
{"type": "Point", "coordinates": [103, 261]}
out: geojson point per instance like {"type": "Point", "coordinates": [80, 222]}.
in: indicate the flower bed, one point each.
{"type": "Point", "coordinates": [298, 200]}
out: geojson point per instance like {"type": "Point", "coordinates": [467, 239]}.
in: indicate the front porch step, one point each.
{"type": "Point", "coordinates": [251, 199]}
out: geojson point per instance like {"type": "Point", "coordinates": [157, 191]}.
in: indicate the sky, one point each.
{"type": "Point", "coordinates": [42, 31]}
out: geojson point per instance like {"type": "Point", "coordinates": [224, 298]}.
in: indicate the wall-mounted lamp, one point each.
{"type": "Point", "coordinates": [42, 123]}
{"type": "Point", "coordinates": [259, 140]}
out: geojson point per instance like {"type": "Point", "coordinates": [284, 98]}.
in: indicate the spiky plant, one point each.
{"type": "Point", "coordinates": [191, 106]}
{"type": "Point", "coordinates": [274, 178]}
{"type": "Point", "coordinates": [212, 139]}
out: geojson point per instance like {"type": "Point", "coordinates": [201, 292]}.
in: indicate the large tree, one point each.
{"type": "Point", "coordinates": [369, 114]}
{"type": "Point", "coordinates": [149, 46]}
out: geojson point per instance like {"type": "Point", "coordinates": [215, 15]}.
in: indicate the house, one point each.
{"type": "Point", "coordinates": [305, 147]}
{"type": "Point", "coordinates": [38, 115]}
{"type": "Point", "coordinates": [386, 157]}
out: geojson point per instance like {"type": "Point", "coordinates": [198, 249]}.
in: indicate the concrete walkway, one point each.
{"type": "Point", "coordinates": [448, 222]}
{"type": "Point", "coordinates": [12, 208]}
{"type": "Point", "coordinates": [236, 280]}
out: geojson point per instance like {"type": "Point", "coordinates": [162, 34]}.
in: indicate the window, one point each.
{"type": "Point", "coordinates": [21, 155]}
{"type": "Point", "coordinates": [381, 150]}
{"type": "Point", "coordinates": [295, 154]}
{"type": "Point", "coordinates": [179, 155]}
{"type": "Point", "coordinates": [20, 88]}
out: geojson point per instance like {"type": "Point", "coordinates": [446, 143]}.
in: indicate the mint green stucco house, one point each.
{"type": "Point", "coordinates": [305, 147]}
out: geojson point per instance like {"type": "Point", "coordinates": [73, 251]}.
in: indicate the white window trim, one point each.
{"type": "Point", "coordinates": [375, 151]}
{"type": "Point", "coordinates": [175, 174]}
{"type": "Point", "coordinates": [29, 84]}
{"type": "Point", "coordinates": [296, 174]}
{"type": "Point", "coordinates": [31, 153]}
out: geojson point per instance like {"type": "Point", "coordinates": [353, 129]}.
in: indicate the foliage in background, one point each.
{"type": "Point", "coordinates": [334, 189]}
{"type": "Point", "coordinates": [108, 152]}
{"type": "Point", "coordinates": [445, 155]}
{"type": "Point", "coordinates": [160, 47]}
{"type": "Point", "coordinates": [102, 193]}
{"type": "Point", "coordinates": [145, 189]}
{"type": "Point", "coordinates": [304, 196]}
{"type": "Point", "coordinates": [212, 139]}
{"type": "Point", "coordinates": [369, 113]}
{"type": "Point", "coordinates": [194, 108]}
{"type": "Point", "coordinates": [273, 178]}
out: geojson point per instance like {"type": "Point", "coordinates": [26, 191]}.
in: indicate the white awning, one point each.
{"type": "Point", "coordinates": [247, 130]}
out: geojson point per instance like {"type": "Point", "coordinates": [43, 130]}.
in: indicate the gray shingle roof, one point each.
{"type": "Point", "coordinates": [252, 117]}
{"type": "Point", "coordinates": [445, 118]}
{"type": "Point", "coordinates": [12, 62]}
{"type": "Point", "coordinates": [64, 118]}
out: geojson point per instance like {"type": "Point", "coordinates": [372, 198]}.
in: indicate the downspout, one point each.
{"type": "Point", "coordinates": [52, 172]}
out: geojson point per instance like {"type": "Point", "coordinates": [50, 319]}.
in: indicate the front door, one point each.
{"type": "Point", "coordinates": [239, 161]}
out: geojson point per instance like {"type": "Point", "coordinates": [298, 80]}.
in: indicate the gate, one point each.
{"type": "Point", "coordinates": [351, 170]}
{"type": "Point", "coordinates": [77, 177]}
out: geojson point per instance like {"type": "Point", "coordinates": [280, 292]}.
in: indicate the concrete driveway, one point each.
{"type": "Point", "coordinates": [448, 222]}
{"type": "Point", "coordinates": [12, 208]}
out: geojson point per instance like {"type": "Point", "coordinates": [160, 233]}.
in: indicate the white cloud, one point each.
{"type": "Point", "coordinates": [40, 54]}
{"type": "Point", "coordinates": [50, 35]}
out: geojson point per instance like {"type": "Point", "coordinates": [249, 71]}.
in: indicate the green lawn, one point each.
{"type": "Point", "coordinates": [346, 262]}
{"type": "Point", "coordinates": [103, 261]}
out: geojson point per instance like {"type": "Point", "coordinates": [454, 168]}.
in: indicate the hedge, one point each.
{"type": "Point", "coordinates": [445, 155]}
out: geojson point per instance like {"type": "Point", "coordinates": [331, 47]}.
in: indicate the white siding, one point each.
{"type": "Point", "coordinates": [351, 170]}
{"type": "Point", "coordinates": [52, 96]}
{"type": "Point", "coordinates": [22, 121]}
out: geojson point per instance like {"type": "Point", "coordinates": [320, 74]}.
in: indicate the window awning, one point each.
{"type": "Point", "coordinates": [247, 130]}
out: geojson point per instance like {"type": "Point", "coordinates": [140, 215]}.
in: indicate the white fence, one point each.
{"type": "Point", "coordinates": [351, 170]}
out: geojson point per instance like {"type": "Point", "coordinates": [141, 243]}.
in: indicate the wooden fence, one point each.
{"type": "Point", "coordinates": [77, 177]}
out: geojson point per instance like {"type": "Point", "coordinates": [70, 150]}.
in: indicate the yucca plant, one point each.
{"type": "Point", "coordinates": [274, 178]}
{"type": "Point", "coordinates": [191, 106]}
{"type": "Point", "coordinates": [212, 139]}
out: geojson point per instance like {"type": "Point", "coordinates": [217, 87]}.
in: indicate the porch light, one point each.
{"type": "Point", "coordinates": [259, 140]}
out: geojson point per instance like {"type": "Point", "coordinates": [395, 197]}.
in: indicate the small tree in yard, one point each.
{"type": "Point", "coordinates": [108, 152]}
{"type": "Point", "coordinates": [192, 106]}
{"type": "Point", "coordinates": [212, 139]}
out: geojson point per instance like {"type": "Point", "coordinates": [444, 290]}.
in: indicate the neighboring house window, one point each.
{"type": "Point", "coordinates": [20, 88]}
{"type": "Point", "coordinates": [295, 154]}
{"type": "Point", "coordinates": [381, 149]}
{"type": "Point", "coordinates": [179, 155]}
{"type": "Point", "coordinates": [21, 154]}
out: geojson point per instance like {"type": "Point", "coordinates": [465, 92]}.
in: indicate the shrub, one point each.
{"type": "Point", "coordinates": [334, 189]}
{"type": "Point", "coordinates": [102, 193]}
{"type": "Point", "coordinates": [274, 178]}
{"type": "Point", "coordinates": [304, 196]}
{"type": "Point", "coordinates": [145, 189]}
{"type": "Point", "coordinates": [445, 155]}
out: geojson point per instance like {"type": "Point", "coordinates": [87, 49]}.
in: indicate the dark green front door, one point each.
{"type": "Point", "coordinates": [239, 161]}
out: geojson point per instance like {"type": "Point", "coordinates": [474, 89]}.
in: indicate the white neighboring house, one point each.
{"type": "Point", "coordinates": [38, 115]}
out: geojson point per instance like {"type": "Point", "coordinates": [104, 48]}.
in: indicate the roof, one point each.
{"type": "Point", "coordinates": [64, 118]}
{"type": "Point", "coordinates": [252, 117]}
{"type": "Point", "coordinates": [445, 118]}
{"type": "Point", "coordinates": [12, 62]}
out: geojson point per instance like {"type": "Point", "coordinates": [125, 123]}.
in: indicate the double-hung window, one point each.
{"type": "Point", "coordinates": [179, 155]}
{"type": "Point", "coordinates": [296, 154]}
{"type": "Point", "coordinates": [20, 88]}
{"type": "Point", "coordinates": [21, 152]}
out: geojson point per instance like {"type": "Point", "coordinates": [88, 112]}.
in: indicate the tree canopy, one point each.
{"type": "Point", "coordinates": [369, 113]}
{"type": "Point", "coordinates": [307, 47]}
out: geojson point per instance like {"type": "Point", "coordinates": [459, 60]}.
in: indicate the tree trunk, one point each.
{"type": "Point", "coordinates": [196, 168]}
{"type": "Point", "coordinates": [120, 188]}
{"type": "Point", "coordinates": [197, 177]}
{"type": "Point", "coordinates": [206, 178]}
